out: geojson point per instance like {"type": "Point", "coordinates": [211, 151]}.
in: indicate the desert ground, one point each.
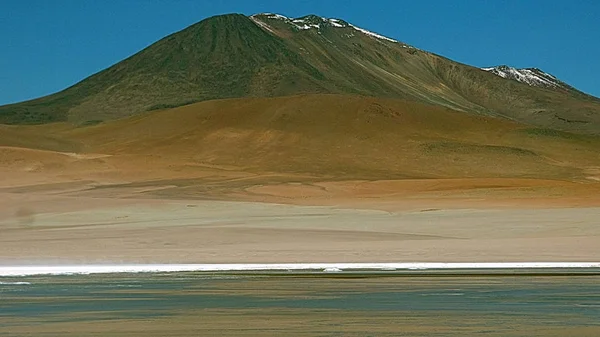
{"type": "Point", "coordinates": [326, 222]}
{"type": "Point", "coordinates": [259, 180]}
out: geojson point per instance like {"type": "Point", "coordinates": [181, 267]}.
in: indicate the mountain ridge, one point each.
{"type": "Point", "coordinates": [530, 76]}
{"type": "Point", "coordinates": [269, 55]}
{"type": "Point", "coordinates": [313, 21]}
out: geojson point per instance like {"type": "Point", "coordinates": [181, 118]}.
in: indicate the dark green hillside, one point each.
{"type": "Point", "coordinates": [224, 56]}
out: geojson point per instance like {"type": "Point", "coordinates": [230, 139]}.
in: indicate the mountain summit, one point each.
{"type": "Point", "coordinates": [312, 22]}
{"type": "Point", "coordinates": [270, 55]}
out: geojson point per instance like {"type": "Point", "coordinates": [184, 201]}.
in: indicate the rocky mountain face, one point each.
{"type": "Point", "coordinates": [270, 55]}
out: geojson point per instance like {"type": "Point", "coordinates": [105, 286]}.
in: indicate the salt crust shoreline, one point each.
{"type": "Point", "coordinates": [30, 270]}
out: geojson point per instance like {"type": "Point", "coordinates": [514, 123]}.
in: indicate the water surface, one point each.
{"type": "Point", "coordinates": [301, 305]}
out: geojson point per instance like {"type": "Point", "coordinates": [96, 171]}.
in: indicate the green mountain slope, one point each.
{"type": "Point", "coordinates": [268, 55]}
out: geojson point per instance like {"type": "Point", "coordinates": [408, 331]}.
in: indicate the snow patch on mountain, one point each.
{"type": "Point", "coordinates": [317, 22]}
{"type": "Point", "coordinates": [272, 16]}
{"type": "Point", "coordinates": [337, 23]}
{"type": "Point", "coordinates": [305, 24]}
{"type": "Point", "coordinates": [375, 35]}
{"type": "Point", "coordinates": [530, 76]}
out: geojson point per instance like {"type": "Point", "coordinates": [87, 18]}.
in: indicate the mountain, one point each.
{"type": "Point", "coordinates": [270, 55]}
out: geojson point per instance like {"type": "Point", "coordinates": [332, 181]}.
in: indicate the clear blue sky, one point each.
{"type": "Point", "coordinates": [47, 45]}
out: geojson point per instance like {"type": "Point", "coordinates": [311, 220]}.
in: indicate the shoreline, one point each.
{"type": "Point", "coordinates": [33, 270]}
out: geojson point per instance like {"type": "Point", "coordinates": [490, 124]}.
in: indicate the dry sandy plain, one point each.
{"type": "Point", "coordinates": [259, 181]}
{"type": "Point", "coordinates": [358, 221]}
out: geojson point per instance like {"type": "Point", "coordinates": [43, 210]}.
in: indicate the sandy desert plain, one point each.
{"type": "Point", "coordinates": [42, 225]}
{"type": "Point", "coordinates": [242, 188]}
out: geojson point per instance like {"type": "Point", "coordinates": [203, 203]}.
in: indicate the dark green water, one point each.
{"type": "Point", "coordinates": [558, 300]}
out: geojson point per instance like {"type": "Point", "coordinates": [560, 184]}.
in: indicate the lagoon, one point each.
{"type": "Point", "coordinates": [302, 304]}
